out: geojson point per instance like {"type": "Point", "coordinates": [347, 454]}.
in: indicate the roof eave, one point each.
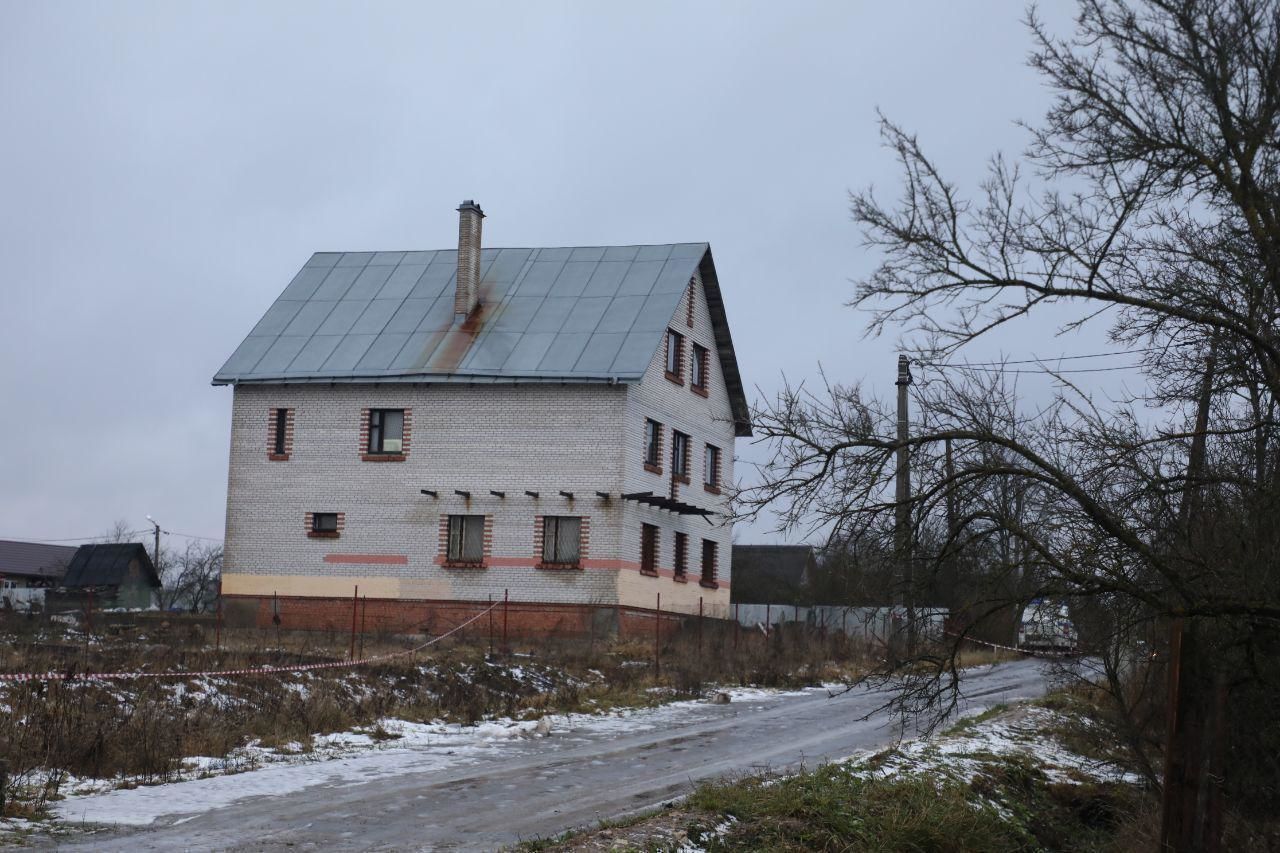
{"type": "Point", "coordinates": [724, 346]}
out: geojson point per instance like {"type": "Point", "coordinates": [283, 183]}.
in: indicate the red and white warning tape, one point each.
{"type": "Point", "coordinates": [1035, 653]}
{"type": "Point", "coordinates": [262, 670]}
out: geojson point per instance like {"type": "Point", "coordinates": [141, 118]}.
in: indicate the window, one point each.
{"type": "Point", "coordinates": [653, 445]}
{"type": "Point", "coordinates": [324, 522]}
{"type": "Point", "coordinates": [709, 564]}
{"type": "Point", "coordinates": [675, 356]}
{"type": "Point", "coordinates": [561, 540]}
{"type": "Point", "coordinates": [648, 549]}
{"type": "Point", "coordinates": [682, 556]}
{"type": "Point", "coordinates": [698, 382]}
{"type": "Point", "coordinates": [466, 539]}
{"type": "Point", "coordinates": [386, 431]}
{"type": "Point", "coordinates": [279, 428]}
{"type": "Point", "coordinates": [711, 469]}
{"type": "Point", "coordinates": [680, 455]}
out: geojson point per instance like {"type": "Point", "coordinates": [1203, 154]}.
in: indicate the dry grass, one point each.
{"type": "Point", "coordinates": [141, 730]}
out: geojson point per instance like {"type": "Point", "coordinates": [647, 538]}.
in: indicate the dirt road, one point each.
{"type": "Point", "coordinates": [537, 787]}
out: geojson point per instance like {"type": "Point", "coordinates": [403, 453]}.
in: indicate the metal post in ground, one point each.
{"type": "Point", "coordinates": [657, 639]}
{"type": "Point", "coordinates": [699, 624]}
{"type": "Point", "coordinates": [355, 607]}
{"type": "Point", "coordinates": [364, 616]}
{"type": "Point", "coordinates": [737, 628]}
{"type": "Point", "coordinates": [506, 599]}
{"type": "Point", "coordinates": [490, 624]}
{"type": "Point", "coordinates": [4, 783]}
{"type": "Point", "coordinates": [217, 643]}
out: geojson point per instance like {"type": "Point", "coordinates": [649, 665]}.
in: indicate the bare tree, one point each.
{"type": "Point", "coordinates": [1149, 199]}
{"type": "Point", "coordinates": [192, 577]}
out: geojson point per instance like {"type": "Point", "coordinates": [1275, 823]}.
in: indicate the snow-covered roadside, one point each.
{"type": "Point", "coordinates": [961, 754]}
{"type": "Point", "coordinates": [351, 758]}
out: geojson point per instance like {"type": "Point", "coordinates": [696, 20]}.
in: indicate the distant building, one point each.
{"type": "Point", "coordinates": [27, 569]}
{"type": "Point", "coordinates": [559, 423]}
{"type": "Point", "coordinates": [773, 574]}
{"type": "Point", "coordinates": [116, 575]}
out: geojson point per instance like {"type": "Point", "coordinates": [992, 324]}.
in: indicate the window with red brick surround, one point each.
{"type": "Point", "coordinates": [708, 579]}
{"type": "Point", "coordinates": [675, 357]}
{"type": "Point", "coordinates": [649, 550]}
{"type": "Point", "coordinates": [679, 456]}
{"type": "Point", "coordinates": [652, 446]}
{"type": "Point", "coordinates": [324, 525]}
{"type": "Point", "coordinates": [384, 434]}
{"type": "Point", "coordinates": [279, 435]}
{"type": "Point", "coordinates": [560, 541]}
{"type": "Point", "coordinates": [682, 557]}
{"type": "Point", "coordinates": [711, 469]}
{"type": "Point", "coordinates": [698, 370]}
{"type": "Point", "coordinates": [466, 541]}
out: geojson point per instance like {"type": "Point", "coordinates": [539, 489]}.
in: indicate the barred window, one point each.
{"type": "Point", "coordinates": [561, 539]}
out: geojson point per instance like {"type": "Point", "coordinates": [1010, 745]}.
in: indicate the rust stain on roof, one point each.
{"type": "Point", "coordinates": [445, 350]}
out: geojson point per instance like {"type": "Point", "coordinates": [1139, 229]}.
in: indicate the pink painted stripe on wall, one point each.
{"type": "Point", "coordinates": [368, 559]}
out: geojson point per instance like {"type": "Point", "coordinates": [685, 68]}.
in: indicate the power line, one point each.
{"type": "Point", "coordinates": [192, 535]}
{"type": "Point", "coordinates": [1042, 372]}
{"type": "Point", "coordinates": [1109, 354]}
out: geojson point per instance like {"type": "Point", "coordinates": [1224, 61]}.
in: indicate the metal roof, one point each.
{"type": "Point", "coordinates": [571, 314]}
{"type": "Point", "coordinates": [108, 565]}
{"type": "Point", "coordinates": [34, 558]}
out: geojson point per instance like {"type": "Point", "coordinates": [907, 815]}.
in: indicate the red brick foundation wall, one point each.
{"type": "Point", "coordinates": [524, 620]}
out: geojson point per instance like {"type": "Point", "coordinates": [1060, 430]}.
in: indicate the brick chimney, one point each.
{"type": "Point", "coordinates": [468, 294]}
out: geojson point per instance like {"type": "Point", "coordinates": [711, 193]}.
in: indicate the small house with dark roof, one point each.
{"type": "Point", "coordinates": [27, 569]}
{"type": "Point", "coordinates": [116, 574]}
{"type": "Point", "coordinates": [553, 427]}
{"type": "Point", "coordinates": [773, 574]}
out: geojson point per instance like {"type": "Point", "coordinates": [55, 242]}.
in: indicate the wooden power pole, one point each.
{"type": "Point", "coordinates": [902, 519]}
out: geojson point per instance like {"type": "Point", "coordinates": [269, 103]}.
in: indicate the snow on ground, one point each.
{"type": "Point", "coordinates": [959, 755]}
{"type": "Point", "coordinates": [388, 748]}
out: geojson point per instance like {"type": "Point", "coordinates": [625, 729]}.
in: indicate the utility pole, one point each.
{"type": "Point", "coordinates": [902, 520]}
{"type": "Point", "coordinates": [155, 554]}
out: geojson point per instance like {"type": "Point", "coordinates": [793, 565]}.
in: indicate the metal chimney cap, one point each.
{"type": "Point", "coordinates": [470, 204]}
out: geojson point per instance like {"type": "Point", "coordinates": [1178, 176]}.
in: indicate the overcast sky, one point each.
{"type": "Point", "coordinates": [166, 168]}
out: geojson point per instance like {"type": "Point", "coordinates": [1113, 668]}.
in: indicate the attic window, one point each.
{"type": "Point", "coordinates": [386, 432]}
{"type": "Point", "coordinates": [698, 382]}
{"type": "Point", "coordinates": [675, 357]}
{"type": "Point", "coordinates": [680, 456]}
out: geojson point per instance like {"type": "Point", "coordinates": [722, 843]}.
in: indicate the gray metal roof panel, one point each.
{"type": "Point", "coordinates": [592, 313]}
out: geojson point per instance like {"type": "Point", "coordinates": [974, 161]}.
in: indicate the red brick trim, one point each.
{"type": "Point", "coordinates": [700, 390]}
{"type": "Point", "coordinates": [709, 584]}
{"type": "Point", "coordinates": [366, 456]}
{"type": "Point", "coordinates": [677, 378]}
{"type": "Point", "coordinates": [442, 556]}
{"type": "Point", "coordinates": [653, 469]}
{"type": "Point", "coordinates": [272, 456]}
{"type": "Point", "coordinates": [649, 574]}
{"type": "Point", "coordinates": [584, 543]}
{"type": "Point", "coordinates": [689, 301]}
{"type": "Point", "coordinates": [308, 519]}
{"type": "Point", "coordinates": [368, 559]}
{"type": "Point", "coordinates": [679, 578]}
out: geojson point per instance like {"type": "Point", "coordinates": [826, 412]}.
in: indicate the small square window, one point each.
{"type": "Point", "coordinates": [324, 522]}
{"type": "Point", "coordinates": [466, 539]}
{"type": "Point", "coordinates": [561, 540]}
{"type": "Point", "coordinates": [386, 431]}
{"type": "Point", "coordinates": [649, 549]}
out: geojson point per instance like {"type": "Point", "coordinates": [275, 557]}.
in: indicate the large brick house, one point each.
{"type": "Point", "coordinates": [443, 428]}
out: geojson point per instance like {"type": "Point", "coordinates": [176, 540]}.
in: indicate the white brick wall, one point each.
{"type": "Point", "coordinates": [544, 438]}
